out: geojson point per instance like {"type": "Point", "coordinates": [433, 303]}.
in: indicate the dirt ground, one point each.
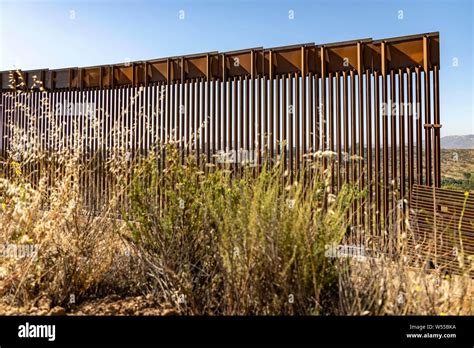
{"type": "Point", "coordinates": [111, 305]}
{"type": "Point", "coordinates": [454, 163]}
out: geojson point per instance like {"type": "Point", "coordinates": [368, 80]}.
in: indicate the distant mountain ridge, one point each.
{"type": "Point", "coordinates": [458, 142]}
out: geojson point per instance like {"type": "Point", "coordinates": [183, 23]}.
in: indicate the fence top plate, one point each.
{"type": "Point", "coordinates": [420, 50]}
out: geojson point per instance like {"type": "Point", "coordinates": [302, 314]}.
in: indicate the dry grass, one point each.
{"type": "Point", "coordinates": [199, 244]}
{"type": "Point", "coordinates": [387, 287]}
{"type": "Point", "coordinates": [79, 254]}
{"type": "Point", "coordinates": [220, 245]}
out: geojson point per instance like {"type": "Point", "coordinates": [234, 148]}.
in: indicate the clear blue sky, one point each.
{"type": "Point", "coordinates": [61, 33]}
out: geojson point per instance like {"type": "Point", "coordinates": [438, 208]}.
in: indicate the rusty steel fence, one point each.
{"type": "Point", "coordinates": [443, 229]}
{"type": "Point", "coordinates": [368, 108]}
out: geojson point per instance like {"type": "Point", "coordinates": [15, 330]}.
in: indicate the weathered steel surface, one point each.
{"type": "Point", "coordinates": [369, 109]}
{"type": "Point", "coordinates": [443, 228]}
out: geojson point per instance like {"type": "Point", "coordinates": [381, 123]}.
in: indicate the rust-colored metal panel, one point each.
{"type": "Point", "coordinates": [401, 52]}
{"type": "Point", "coordinates": [344, 55]}
{"type": "Point", "coordinates": [407, 51]}
{"type": "Point", "coordinates": [443, 228]}
{"type": "Point", "coordinates": [301, 98]}
{"type": "Point", "coordinates": [7, 77]}
{"type": "Point", "coordinates": [175, 69]}
{"type": "Point", "coordinates": [238, 63]}
{"type": "Point", "coordinates": [123, 75]}
{"type": "Point", "coordinates": [434, 50]}
{"type": "Point", "coordinates": [32, 78]}
{"type": "Point", "coordinates": [61, 78]}
{"type": "Point", "coordinates": [196, 67]}
{"type": "Point", "coordinates": [157, 71]}
{"type": "Point", "coordinates": [107, 75]}
{"type": "Point", "coordinates": [75, 78]}
{"type": "Point", "coordinates": [90, 78]}
{"type": "Point", "coordinates": [285, 61]}
{"type": "Point", "coordinates": [140, 74]}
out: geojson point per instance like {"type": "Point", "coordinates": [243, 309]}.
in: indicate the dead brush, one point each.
{"type": "Point", "coordinates": [397, 285]}
{"type": "Point", "coordinates": [80, 253]}
{"type": "Point", "coordinates": [202, 240]}
{"type": "Point", "coordinates": [221, 244]}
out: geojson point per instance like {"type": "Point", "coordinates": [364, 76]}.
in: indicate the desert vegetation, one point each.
{"type": "Point", "coordinates": [192, 239]}
{"type": "Point", "coordinates": [213, 244]}
{"type": "Point", "coordinates": [458, 169]}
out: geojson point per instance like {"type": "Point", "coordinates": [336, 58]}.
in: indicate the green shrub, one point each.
{"type": "Point", "coordinates": [235, 245]}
